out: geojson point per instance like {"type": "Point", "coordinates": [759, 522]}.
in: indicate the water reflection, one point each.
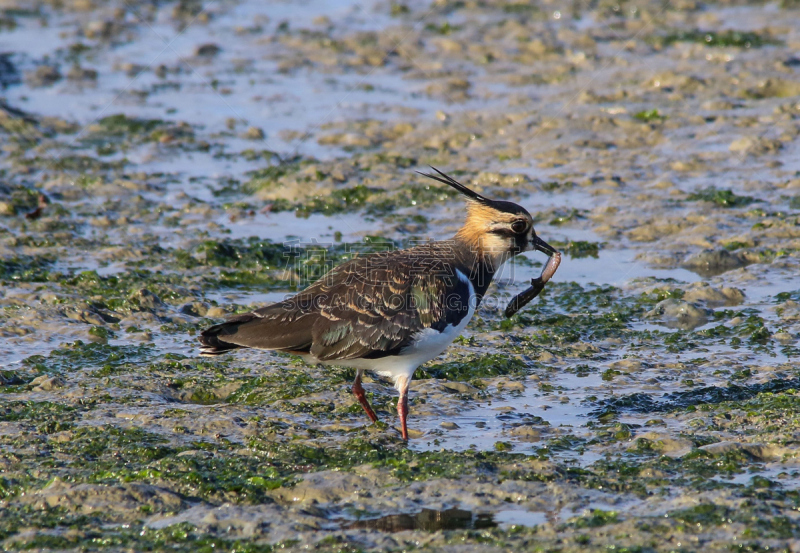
{"type": "Point", "coordinates": [429, 520]}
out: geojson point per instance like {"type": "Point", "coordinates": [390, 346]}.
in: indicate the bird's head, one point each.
{"type": "Point", "coordinates": [496, 230]}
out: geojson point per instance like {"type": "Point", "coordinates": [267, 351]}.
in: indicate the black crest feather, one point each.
{"type": "Point", "coordinates": [450, 181]}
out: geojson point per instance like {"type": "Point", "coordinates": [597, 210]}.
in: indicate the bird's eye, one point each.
{"type": "Point", "coordinates": [519, 226]}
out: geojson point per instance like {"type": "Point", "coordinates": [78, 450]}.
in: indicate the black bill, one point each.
{"type": "Point", "coordinates": [542, 246]}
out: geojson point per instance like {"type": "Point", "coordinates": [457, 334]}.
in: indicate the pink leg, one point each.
{"type": "Point", "coordinates": [402, 407]}
{"type": "Point", "coordinates": [358, 391]}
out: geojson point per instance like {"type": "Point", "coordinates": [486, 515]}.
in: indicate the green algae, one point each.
{"type": "Point", "coordinates": [703, 396]}
{"type": "Point", "coordinates": [566, 216]}
{"type": "Point", "coordinates": [787, 296]}
{"type": "Point", "coordinates": [101, 333]}
{"type": "Point", "coordinates": [649, 115]}
{"type": "Point", "coordinates": [398, 9]}
{"type": "Point", "coordinates": [21, 198]}
{"type": "Point", "coordinates": [111, 447]}
{"type": "Point", "coordinates": [566, 316]}
{"type": "Point", "coordinates": [286, 387]}
{"type": "Point", "coordinates": [284, 384]}
{"type": "Point", "coordinates": [341, 200]}
{"type": "Point", "coordinates": [253, 261]}
{"type": "Point", "coordinates": [385, 452]}
{"type": "Point", "coordinates": [359, 197]}
{"type": "Point", "coordinates": [11, 378]}
{"type": "Point", "coordinates": [578, 249]}
{"type": "Point", "coordinates": [121, 125]}
{"type": "Point", "coordinates": [81, 166]}
{"type": "Point", "coordinates": [411, 195]}
{"type": "Point", "coordinates": [80, 355]}
{"type": "Point", "coordinates": [119, 132]}
{"type": "Point", "coordinates": [587, 323]}
{"type": "Point", "coordinates": [46, 417]}
{"type": "Point", "coordinates": [595, 519]}
{"type": "Point", "coordinates": [131, 291]}
{"type": "Point", "coordinates": [442, 29]}
{"type": "Point", "coordinates": [720, 39]}
{"type": "Point", "coordinates": [756, 517]}
{"type": "Point", "coordinates": [252, 254]}
{"type": "Point", "coordinates": [113, 455]}
{"type": "Point", "coordinates": [486, 366]}
{"type": "Point", "coordinates": [26, 268]}
{"type": "Point", "coordinates": [18, 517]}
{"type": "Point", "coordinates": [519, 8]}
{"type": "Point", "coordinates": [186, 537]}
{"type": "Point", "coordinates": [373, 201]}
{"type": "Point", "coordinates": [270, 176]}
{"type": "Point", "coordinates": [722, 198]}
{"type": "Point", "coordinates": [214, 478]}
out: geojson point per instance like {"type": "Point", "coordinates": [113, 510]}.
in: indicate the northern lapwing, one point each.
{"type": "Point", "coordinates": [390, 312]}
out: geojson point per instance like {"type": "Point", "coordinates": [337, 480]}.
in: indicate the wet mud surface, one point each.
{"type": "Point", "coordinates": [164, 165]}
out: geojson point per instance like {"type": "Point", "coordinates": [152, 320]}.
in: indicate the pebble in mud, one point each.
{"type": "Point", "coordinates": [253, 133]}
{"type": "Point", "coordinates": [207, 50]}
{"type": "Point", "coordinates": [526, 433]}
{"type": "Point", "coordinates": [714, 262]}
{"type": "Point", "coordinates": [195, 308]}
{"type": "Point", "coordinates": [713, 297]}
{"type": "Point", "coordinates": [679, 314]}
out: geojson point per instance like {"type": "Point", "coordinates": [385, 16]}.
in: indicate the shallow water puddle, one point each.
{"type": "Point", "coordinates": [515, 517]}
{"type": "Point", "coordinates": [616, 267]}
{"type": "Point", "coordinates": [481, 425]}
{"type": "Point", "coordinates": [316, 229]}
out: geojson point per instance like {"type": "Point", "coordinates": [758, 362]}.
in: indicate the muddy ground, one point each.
{"type": "Point", "coordinates": [166, 164]}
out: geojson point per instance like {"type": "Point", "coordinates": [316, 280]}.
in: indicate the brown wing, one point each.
{"type": "Point", "coordinates": [369, 307]}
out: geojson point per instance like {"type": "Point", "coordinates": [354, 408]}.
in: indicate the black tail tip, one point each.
{"type": "Point", "coordinates": [210, 344]}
